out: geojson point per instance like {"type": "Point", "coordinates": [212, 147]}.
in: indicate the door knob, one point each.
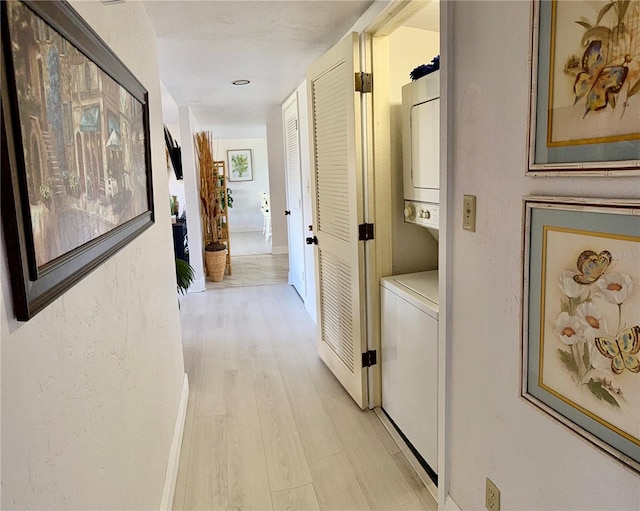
{"type": "Point", "coordinates": [287, 212]}
{"type": "Point", "coordinates": [312, 241]}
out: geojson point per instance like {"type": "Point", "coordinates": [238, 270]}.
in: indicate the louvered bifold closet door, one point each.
{"type": "Point", "coordinates": [294, 197]}
{"type": "Point", "coordinates": [337, 211]}
{"type": "Point", "coordinates": [331, 153]}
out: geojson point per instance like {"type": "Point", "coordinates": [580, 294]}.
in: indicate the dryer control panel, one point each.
{"type": "Point", "coordinates": [425, 214]}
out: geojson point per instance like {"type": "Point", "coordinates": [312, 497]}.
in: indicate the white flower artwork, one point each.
{"type": "Point", "coordinates": [570, 287]}
{"type": "Point", "coordinates": [594, 315]}
{"type": "Point", "coordinates": [614, 287]}
{"type": "Point", "coordinates": [581, 318]}
{"type": "Point", "coordinates": [591, 320]}
{"type": "Point", "coordinates": [568, 329]}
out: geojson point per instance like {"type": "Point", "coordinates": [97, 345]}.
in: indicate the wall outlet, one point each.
{"type": "Point", "coordinates": [469, 213]}
{"type": "Point", "coordinates": [492, 496]}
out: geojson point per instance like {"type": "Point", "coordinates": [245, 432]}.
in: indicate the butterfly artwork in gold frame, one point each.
{"type": "Point", "coordinates": [585, 94]}
{"type": "Point", "coordinates": [581, 318]}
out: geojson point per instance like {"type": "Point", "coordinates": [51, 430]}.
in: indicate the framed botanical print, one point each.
{"type": "Point", "coordinates": [581, 318]}
{"type": "Point", "coordinates": [240, 165]}
{"type": "Point", "coordinates": [585, 94]}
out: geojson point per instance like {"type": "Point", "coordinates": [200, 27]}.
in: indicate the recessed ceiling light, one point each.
{"type": "Point", "coordinates": [241, 82]}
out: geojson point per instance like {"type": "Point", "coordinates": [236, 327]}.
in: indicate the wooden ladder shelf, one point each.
{"type": "Point", "coordinates": [223, 217]}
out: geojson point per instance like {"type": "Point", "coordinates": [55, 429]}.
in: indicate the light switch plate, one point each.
{"type": "Point", "coordinates": [469, 213]}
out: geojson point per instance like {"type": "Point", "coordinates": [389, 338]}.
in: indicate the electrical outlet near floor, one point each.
{"type": "Point", "coordinates": [492, 496]}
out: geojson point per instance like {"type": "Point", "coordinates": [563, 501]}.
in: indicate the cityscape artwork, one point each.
{"type": "Point", "coordinates": [76, 151]}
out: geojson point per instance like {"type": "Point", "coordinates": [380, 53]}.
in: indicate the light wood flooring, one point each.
{"type": "Point", "coordinates": [254, 270]}
{"type": "Point", "coordinates": [249, 243]}
{"type": "Point", "coordinates": [268, 426]}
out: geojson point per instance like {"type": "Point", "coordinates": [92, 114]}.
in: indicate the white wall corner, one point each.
{"type": "Point", "coordinates": [283, 249]}
{"type": "Point", "coordinates": [311, 309]}
{"type": "Point", "coordinates": [166, 504]}
{"type": "Point", "coordinates": [450, 504]}
{"type": "Point", "coordinates": [198, 285]}
{"type": "Point", "coordinates": [191, 179]}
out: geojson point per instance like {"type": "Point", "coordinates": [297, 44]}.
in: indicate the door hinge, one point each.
{"type": "Point", "coordinates": [365, 232]}
{"type": "Point", "coordinates": [369, 358]}
{"type": "Point", "coordinates": [364, 82]}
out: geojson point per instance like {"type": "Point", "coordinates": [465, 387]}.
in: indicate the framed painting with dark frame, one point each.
{"type": "Point", "coordinates": [76, 165]}
{"type": "Point", "coordinates": [581, 318]}
{"type": "Point", "coordinates": [585, 88]}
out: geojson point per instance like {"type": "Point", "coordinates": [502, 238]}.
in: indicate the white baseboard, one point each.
{"type": "Point", "coordinates": [450, 504]}
{"type": "Point", "coordinates": [198, 286]}
{"type": "Point", "coordinates": [171, 476]}
{"type": "Point", "coordinates": [280, 250]}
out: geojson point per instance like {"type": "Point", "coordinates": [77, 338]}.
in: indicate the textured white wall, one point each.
{"type": "Point", "coordinates": [175, 187]}
{"type": "Point", "coordinates": [536, 462]}
{"type": "Point", "coordinates": [90, 386]}
{"type": "Point", "coordinates": [171, 120]}
{"type": "Point", "coordinates": [236, 132]}
{"type": "Point", "coordinates": [191, 178]}
{"type": "Point", "coordinates": [413, 249]}
{"type": "Point", "coordinates": [245, 215]}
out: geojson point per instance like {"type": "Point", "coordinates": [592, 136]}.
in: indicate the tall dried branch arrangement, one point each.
{"type": "Point", "coordinates": [208, 179]}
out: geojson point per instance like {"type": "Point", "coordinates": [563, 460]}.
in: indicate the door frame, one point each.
{"type": "Point", "coordinates": [374, 49]}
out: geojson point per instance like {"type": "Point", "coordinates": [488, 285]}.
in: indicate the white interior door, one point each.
{"type": "Point", "coordinates": [337, 187]}
{"type": "Point", "coordinates": [294, 196]}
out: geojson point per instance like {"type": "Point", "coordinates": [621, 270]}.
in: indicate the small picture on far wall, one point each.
{"type": "Point", "coordinates": [240, 165]}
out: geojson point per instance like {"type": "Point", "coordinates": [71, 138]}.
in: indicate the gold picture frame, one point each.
{"type": "Point", "coordinates": [581, 318]}
{"type": "Point", "coordinates": [585, 88]}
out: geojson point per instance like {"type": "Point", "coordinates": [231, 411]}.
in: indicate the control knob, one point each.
{"type": "Point", "coordinates": [409, 212]}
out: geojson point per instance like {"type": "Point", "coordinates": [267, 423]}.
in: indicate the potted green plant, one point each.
{"type": "Point", "coordinates": [184, 275]}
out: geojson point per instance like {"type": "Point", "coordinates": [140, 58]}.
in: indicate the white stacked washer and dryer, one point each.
{"type": "Point", "coordinates": [410, 302]}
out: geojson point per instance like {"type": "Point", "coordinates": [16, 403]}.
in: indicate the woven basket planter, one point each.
{"type": "Point", "coordinates": [215, 263]}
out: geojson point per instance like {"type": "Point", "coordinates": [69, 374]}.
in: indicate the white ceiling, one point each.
{"type": "Point", "coordinates": [428, 18]}
{"type": "Point", "coordinates": [204, 45]}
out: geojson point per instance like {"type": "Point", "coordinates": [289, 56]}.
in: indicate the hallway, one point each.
{"type": "Point", "coordinates": [268, 426]}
